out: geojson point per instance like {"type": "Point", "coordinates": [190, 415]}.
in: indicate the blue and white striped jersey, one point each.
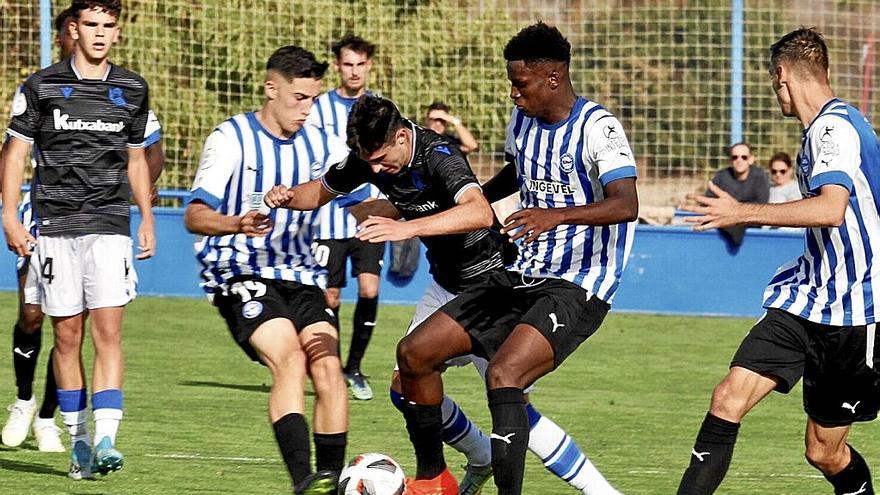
{"type": "Point", "coordinates": [569, 164]}
{"type": "Point", "coordinates": [833, 282]}
{"type": "Point", "coordinates": [240, 162]}
{"type": "Point", "coordinates": [334, 221]}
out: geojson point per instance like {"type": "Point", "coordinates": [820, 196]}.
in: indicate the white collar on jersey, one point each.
{"type": "Point", "coordinates": [80, 77]}
{"type": "Point", "coordinates": [412, 151]}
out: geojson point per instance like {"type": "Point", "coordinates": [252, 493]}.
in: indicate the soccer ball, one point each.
{"type": "Point", "coordinates": [371, 474]}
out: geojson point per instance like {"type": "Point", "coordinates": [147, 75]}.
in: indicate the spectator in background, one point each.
{"type": "Point", "coordinates": [784, 188]}
{"type": "Point", "coordinates": [743, 180]}
{"type": "Point", "coordinates": [438, 119]}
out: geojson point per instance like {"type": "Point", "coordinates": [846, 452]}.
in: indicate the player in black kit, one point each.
{"type": "Point", "coordinates": [430, 184]}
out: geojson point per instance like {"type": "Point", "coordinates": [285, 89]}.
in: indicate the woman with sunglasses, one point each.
{"type": "Point", "coordinates": [784, 187]}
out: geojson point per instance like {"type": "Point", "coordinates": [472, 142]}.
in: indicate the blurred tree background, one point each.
{"type": "Point", "coordinates": [663, 66]}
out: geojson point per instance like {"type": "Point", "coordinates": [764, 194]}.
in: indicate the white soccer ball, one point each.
{"type": "Point", "coordinates": [372, 474]}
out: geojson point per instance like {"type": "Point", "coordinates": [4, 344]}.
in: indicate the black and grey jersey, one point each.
{"type": "Point", "coordinates": [81, 130]}
{"type": "Point", "coordinates": [433, 182]}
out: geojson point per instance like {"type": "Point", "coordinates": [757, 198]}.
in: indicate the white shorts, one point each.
{"type": "Point", "coordinates": [31, 291]}
{"type": "Point", "coordinates": [84, 272]}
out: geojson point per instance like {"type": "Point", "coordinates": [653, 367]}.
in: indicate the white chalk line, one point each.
{"type": "Point", "coordinates": [203, 457]}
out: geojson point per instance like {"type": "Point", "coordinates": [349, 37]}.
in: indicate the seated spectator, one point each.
{"type": "Point", "coordinates": [438, 119]}
{"type": "Point", "coordinates": [743, 180]}
{"type": "Point", "coordinates": [785, 188]}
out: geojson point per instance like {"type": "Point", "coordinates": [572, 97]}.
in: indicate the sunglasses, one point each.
{"type": "Point", "coordinates": [741, 157]}
{"type": "Point", "coordinates": [776, 171]}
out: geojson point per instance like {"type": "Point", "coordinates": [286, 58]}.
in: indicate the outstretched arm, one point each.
{"type": "Point", "coordinates": [827, 209]}
{"type": "Point", "coordinates": [202, 219]}
{"type": "Point", "coordinates": [471, 213]}
{"type": "Point", "coordinates": [306, 196]}
{"type": "Point", "coordinates": [375, 208]}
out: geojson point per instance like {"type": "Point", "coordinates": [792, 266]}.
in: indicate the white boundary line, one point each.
{"type": "Point", "coordinates": [735, 474]}
{"type": "Point", "coordinates": [213, 458]}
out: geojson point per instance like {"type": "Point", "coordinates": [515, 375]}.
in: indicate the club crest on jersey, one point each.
{"type": "Point", "coordinates": [66, 92]}
{"type": "Point", "coordinates": [566, 163]}
{"type": "Point", "coordinates": [116, 96]}
{"type": "Point", "coordinates": [252, 309]}
{"type": "Point", "coordinates": [19, 103]}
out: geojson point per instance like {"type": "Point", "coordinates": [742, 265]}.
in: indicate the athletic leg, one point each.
{"type": "Point", "coordinates": [318, 340]}
{"type": "Point", "coordinates": [26, 339]}
{"type": "Point", "coordinates": [421, 356]}
{"type": "Point", "coordinates": [732, 399]}
{"type": "Point", "coordinates": [842, 465]}
{"type": "Point", "coordinates": [525, 356]}
{"type": "Point", "coordinates": [278, 347]}
{"type": "Point", "coordinates": [561, 455]}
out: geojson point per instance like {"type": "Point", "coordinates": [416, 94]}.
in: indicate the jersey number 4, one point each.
{"type": "Point", "coordinates": [46, 271]}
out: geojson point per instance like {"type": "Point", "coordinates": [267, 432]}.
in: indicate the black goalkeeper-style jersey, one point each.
{"type": "Point", "coordinates": [81, 130]}
{"type": "Point", "coordinates": [435, 178]}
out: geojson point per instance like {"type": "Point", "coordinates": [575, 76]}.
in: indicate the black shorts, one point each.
{"type": "Point", "coordinates": [366, 257]}
{"type": "Point", "coordinates": [252, 301]}
{"type": "Point", "coordinates": [562, 311]}
{"type": "Point", "coordinates": [839, 388]}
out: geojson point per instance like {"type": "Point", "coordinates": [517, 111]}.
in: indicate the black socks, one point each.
{"type": "Point", "coordinates": [510, 438]}
{"type": "Point", "coordinates": [710, 456]}
{"type": "Point", "coordinates": [292, 435]}
{"type": "Point", "coordinates": [425, 427]}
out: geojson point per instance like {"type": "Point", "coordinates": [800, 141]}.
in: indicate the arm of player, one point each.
{"type": "Point", "coordinates": [827, 209]}
{"type": "Point", "coordinates": [375, 208]}
{"type": "Point", "coordinates": [155, 162]}
{"type": "Point", "coordinates": [139, 179]}
{"type": "Point", "coordinates": [471, 213]}
{"type": "Point", "coordinates": [621, 204]}
{"type": "Point", "coordinates": [202, 219]}
{"type": "Point", "coordinates": [306, 196]}
{"type": "Point", "coordinates": [502, 185]}
{"type": "Point", "coordinates": [12, 161]}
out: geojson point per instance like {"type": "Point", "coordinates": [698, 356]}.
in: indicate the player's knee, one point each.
{"type": "Point", "coordinates": [107, 338]}
{"type": "Point", "coordinates": [826, 458]}
{"type": "Point", "coordinates": [68, 341]}
{"type": "Point", "coordinates": [412, 359]}
{"type": "Point", "coordinates": [368, 291]}
{"type": "Point", "coordinates": [728, 402]}
{"type": "Point", "coordinates": [290, 363]}
{"type": "Point", "coordinates": [31, 318]}
{"type": "Point", "coordinates": [326, 375]}
{"type": "Point", "coordinates": [503, 374]}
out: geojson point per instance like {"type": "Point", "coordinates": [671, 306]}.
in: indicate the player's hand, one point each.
{"type": "Point", "coordinates": [18, 239]}
{"type": "Point", "coordinates": [714, 213]}
{"type": "Point", "coordinates": [278, 196]}
{"type": "Point", "coordinates": [254, 224]}
{"type": "Point", "coordinates": [381, 229]}
{"type": "Point", "coordinates": [146, 239]}
{"type": "Point", "coordinates": [532, 222]}
{"type": "Point", "coordinates": [154, 195]}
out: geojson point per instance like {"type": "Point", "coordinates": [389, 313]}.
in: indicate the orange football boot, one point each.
{"type": "Point", "coordinates": [443, 484]}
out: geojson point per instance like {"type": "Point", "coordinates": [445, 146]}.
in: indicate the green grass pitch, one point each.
{"type": "Point", "coordinates": [633, 397]}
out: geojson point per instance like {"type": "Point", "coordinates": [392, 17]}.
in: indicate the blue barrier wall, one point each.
{"type": "Point", "coordinates": [671, 269]}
